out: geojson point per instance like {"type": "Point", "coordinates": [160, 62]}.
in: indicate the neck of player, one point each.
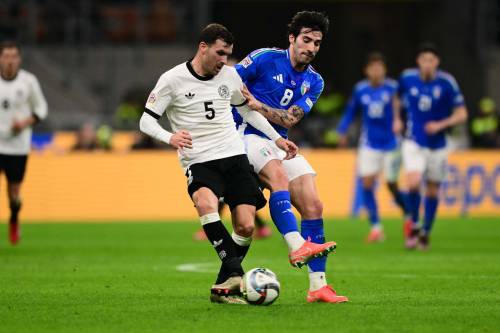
{"type": "Point", "coordinates": [198, 68]}
{"type": "Point", "coordinates": [428, 76]}
{"type": "Point", "coordinates": [8, 76]}
{"type": "Point", "coordinates": [299, 67]}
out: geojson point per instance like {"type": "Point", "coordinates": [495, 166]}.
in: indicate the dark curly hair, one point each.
{"type": "Point", "coordinates": [315, 21]}
{"type": "Point", "coordinates": [215, 31]}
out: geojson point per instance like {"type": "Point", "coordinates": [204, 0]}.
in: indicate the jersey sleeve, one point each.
{"type": "Point", "coordinates": [37, 100]}
{"type": "Point", "coordinates": [349, 113]}
{"type": "Point", "coordinates": [307, 101]}
{"type": "Point", "coordinates": [161, 96]}
{"type": "Point", "coordinates": [248, 68]}
{"type": "Point", "coordinates": [237, 98]}
{"type": "Point", "coordinates": [456, 97]}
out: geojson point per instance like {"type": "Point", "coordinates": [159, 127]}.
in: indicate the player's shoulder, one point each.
{"type": "Point", "coordinates": [410, 73]}
{"type": "Point", "coordinates": [447, 78]}
{"type": "Point", "coordinates": [26, 75]}
{"type": "Point", "coordinates": [391, 83]}
{"type": "Point", "coordinates": [264, 55]}
{"type": "Point", "coordinates": [229, 72]}
{"type": "Point", "coordinates": [361, 85]}
{"type": "Point", "coordinates": [316, 77]}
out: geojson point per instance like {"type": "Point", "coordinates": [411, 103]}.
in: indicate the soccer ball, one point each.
{"type": "Point", "coordinates": [260, 286]}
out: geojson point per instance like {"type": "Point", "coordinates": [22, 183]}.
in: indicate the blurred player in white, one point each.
{"type": "Point", "coordinates": [197, 97]}
{"type": "Point", "coordinates": [22, 105]}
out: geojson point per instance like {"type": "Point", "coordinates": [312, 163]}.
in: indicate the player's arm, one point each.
{"type": "Point", "coordinates": [458, 115]}
{"type": "Point", "coordinates": [158, 101]}
{"type": "Point", "coordinates": [286, 118]}
{"type": "Point", "coordinates": [347, 119]}
{"type": "Point", "coordinates": [38, 105]}
{"type": "Point", "coordinates": [260, 123]}
{"type": "Point", "coordinates": [397, 121]}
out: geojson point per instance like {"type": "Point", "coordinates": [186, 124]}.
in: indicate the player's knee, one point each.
{"type": "Point", "coordinates": [205, 206]}
{"type": "Point", "coordinates": [244, 229]}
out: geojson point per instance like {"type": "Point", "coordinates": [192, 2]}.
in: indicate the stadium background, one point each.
{"type": "Point", "coordinates": [97, 60]}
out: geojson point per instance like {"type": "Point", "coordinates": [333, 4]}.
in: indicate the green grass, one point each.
{"type": "Point", "coordinates": [123, 277]}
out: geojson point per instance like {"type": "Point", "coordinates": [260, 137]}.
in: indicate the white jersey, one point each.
{"type": "Point", "coordinates": [202, 106]}
{"type": "Point", "coordinates": [19, 98]}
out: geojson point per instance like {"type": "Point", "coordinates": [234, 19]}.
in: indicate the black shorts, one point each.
{"type": "Point", "coordinates": [231, 178]}
{"type": "Point", "coordinates": [14, 167]}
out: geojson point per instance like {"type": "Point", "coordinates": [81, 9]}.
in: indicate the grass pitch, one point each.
{"type": "Point", "coordinates": [152, 277]}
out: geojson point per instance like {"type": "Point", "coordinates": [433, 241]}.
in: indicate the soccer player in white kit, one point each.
{"type": "Point", "coordinates": [197, 97]}
{"type": "Point", "coordinates": [22, 105]}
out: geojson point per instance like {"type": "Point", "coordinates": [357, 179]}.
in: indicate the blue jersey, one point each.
{"type": "Point", "coordinates": [426, 101]}
{"type": "Point", "coordinates": [375, 104]}
{"type": "Point", "coordinates": [270, 77]}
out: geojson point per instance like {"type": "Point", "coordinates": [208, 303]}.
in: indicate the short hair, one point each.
{"type": "Point", "coordinates": [375, 57]}
{"type": "Point", "coordinates": [427, 47]}
{"type": "Point", "coordinates": [307, 19]}
{"type": "Point", "coordinates": [9, 44]}
{"type": "Point", "coordinates": [215, 31]}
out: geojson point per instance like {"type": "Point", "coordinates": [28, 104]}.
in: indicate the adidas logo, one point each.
{"type": "Point", "coordinates": [189, 95]}
{"type": "Point", "coordinates": [278, 78]}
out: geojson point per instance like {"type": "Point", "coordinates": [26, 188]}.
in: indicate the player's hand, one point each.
{"type": "Point", "coordinates": [397, 126]}
{"type": "Point", "coordinates": [342, 143]}
{"type": "Point", "coordinates": [181, 139]}
{"type": "Point", "coordinates": [252, 102]}
{"type": "Point", "coordinates": [433, 127]}
{"type": "Point", "coordinates": [288, 146]}
{"type": "Point", "coordinates": [19, 125]}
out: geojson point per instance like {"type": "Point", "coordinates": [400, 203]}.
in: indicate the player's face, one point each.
{"type": "Point", "coordinates": [214, 56]}
{"type": "Point", "coordinates": [305, 46]}
{"type": "Point", "coordinates": [10, 60]}
{"type": "Point", "coordinates": [375, 71]}
{"type": "Point", "coordinates": [428, 63]}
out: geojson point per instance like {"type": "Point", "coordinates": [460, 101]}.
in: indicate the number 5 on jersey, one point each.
{"type": "Point", "coordinates": [210, 110]}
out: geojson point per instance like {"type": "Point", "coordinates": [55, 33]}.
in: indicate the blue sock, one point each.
{"type": "Point", "coordinates": [314, 229]}
{"type": "Point", "coordinates": [281, 212]}
{"type": "Point", "coordinates": [414, 203]}
{"type": "Point", "coordinates": [371, 206]}
{"type": "Point", "coordinates": [430, 208]}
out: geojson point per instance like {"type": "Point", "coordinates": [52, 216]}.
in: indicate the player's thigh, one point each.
{"type": "Point", "coordinates": [370, 161]}
{"type": "Point", "coordinates": [205, 186]}
{"type": "Point", "coordinates": [413, 157]}
{"type": "Point", "coordinates": [260, 151]}
{"type": "Point", "coordinates": [392, 165]}
{"type": "Point", "coordinates": [297, 166]}
{"type": "Point", "coordinates": [437, 162]}
{"type": "Point", "coordinates": [15, 168]}
{"type": "Point", "coordinates": [241, 185]}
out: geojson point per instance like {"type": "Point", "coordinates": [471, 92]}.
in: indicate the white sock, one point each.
{"type": "Point", "coordinates": [377, 226]}
{"type": "Point", "coordinates": [294, 240]}
{"type": "Point", "coordinates": [317, 280]}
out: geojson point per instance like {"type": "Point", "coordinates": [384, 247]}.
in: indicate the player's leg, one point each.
{"type": "Point", "coordinates": [437, 164]}
{"type": "Point", "coordinates": [392, 167]}
{"type": "Point", "coordinates": [306, 199]}
{"type": "Point", "coordinates": [15, 167]}
{"type": "Point", "coordinates": [266, 162]}
{"type": "Point", "coordinates": [414, 163]}
{"type": "Point", "coordinates": [200, 235]}
{"type": "Point", "coordinates": [370, 164]}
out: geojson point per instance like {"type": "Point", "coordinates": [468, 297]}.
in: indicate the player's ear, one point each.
{"type": "Point", "coordinates": [291, 38]}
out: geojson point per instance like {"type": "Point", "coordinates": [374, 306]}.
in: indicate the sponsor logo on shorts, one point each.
{"type": "Point", "coordinates": [265, 151]}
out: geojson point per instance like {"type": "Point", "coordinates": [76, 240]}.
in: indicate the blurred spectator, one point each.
{"type": "Point", "coordinates": [129, 111]}
{"type": "Point", "coordinates": [88, 139]}
{"type": "Point", "coordinates": [484, 126]}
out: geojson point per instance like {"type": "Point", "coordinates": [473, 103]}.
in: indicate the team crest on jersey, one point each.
{"type": "Point", "coordinates": [414, 91]}
{"type": "Point", "coordinates": [305, 87]}
{"type": "Point", "coordinates": [365, 99]}
{"type": "Point", "coordinates": [224, 91]}
{"type": "Point", "coordinates": [436, 92]}
{"type": "Point", "coordinates": [152, 98]}
{"type": "Point", "coordinates": [247, 61]}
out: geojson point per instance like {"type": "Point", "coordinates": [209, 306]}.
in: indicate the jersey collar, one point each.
{"type": "Point", "coordinates": [192, 71]}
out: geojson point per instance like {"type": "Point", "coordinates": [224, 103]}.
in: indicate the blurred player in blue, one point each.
{"type": "Point", "coordinates": [433, 103]}
{"type": "Point", "coordinates": [378, 147]}
{"type": "Point", "coordinates": [286, 87]}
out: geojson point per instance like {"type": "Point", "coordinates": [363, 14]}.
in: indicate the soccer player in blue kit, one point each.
{"type": "Point", "coordinates": [378, 146]}
{"type": "Point", "coordinates": [286, 87]}
{"type": "Point", "coordinates": [433, 103]}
